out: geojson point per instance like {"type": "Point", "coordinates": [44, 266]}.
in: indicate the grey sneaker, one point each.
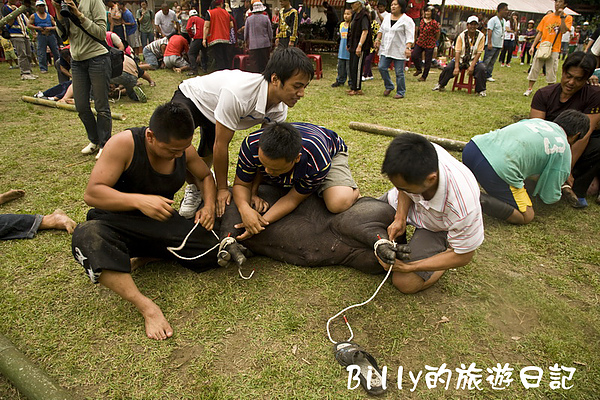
{"type": "Point", "coordinates": [527, 92]}
{"type": "Point", "coordinates": [25, 77]}
{"type": "Point", "coordinates": [482, 93]}
{"type": "Point", "coordinates": [140, 94]}
{"type": "Point", "coordinates": [191, 202]}
{"type": "Point", "coordinates": [436, 87]}
{"type": "Point", "coordinates": [491, 80]}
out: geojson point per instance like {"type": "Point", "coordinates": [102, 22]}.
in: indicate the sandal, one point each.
{"type": "Point", "coordinates": [348, 353]}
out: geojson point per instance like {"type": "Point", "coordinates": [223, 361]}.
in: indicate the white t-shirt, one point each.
{"type": "Point", "coordinates": [235, 98]}
{"type": "Point", "coordinates": [454, 208]}
{"type": "Point", "coordinates": [165, 22]}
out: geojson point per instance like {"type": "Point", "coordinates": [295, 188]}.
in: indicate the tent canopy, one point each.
{"type": "Point", "coordinates": [527, 6]}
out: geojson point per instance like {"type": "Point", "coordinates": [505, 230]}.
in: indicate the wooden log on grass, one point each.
{"type": "Point", "coordinates": [65, 106]}
{"type": "Point", "coordinates": [31, 381]}
{"type": "Point", "coordinates": [448, 144]}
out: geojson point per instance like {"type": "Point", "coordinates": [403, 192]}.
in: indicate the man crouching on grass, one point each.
{"type": "Point", "coordinates": [132, 187]}
{"type": "Point", "coordinates": [439, 196]}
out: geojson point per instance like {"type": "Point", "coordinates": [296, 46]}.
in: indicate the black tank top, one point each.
{"type": "Point", "coordinates": [140, 177]}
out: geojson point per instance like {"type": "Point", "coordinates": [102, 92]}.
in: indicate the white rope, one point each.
{"type": "Point", "coordinates": [174, 249]}
{"type": "Point", "coordinates": [353, 306]}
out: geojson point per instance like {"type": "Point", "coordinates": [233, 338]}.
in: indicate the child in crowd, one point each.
{"type": "Point", "coordinates": [343, 65]}
{"type": "Point", "coordinates": [9, 52]}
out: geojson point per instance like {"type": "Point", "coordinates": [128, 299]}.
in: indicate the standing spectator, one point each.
{"type": "Point", "coordinates": [332, 20]}
{"type": "Point", "coordinates": [195, 28]}
{"type": "Point", "coordinates": [131, 28]}
{"type": "Point", "coordinates": [343, 66]}
{"type": "Point", "coordinates": [238, 9]}
{"type": "Point", "coordinates": [429, 33]}
{"type": "Point", "coordinates": [17, 27]}
{"type": "Point", "coordinates": [183, 19]}
{"type": "Point", "coordinates": [359, 44]}
{"type": "Point", "coordinates": [367, 74]}
{"type": "Point", "coordinates": [495, 39]}
{"type": "Point", "coordinates": [175, 52]}
{"type": "Point", "coordinates": [395, 41]}
{"type": "Point", "coordinates": [165, 21]}
{"type": "Point", "coordinates": [550, 29]}
{"type": "Point", "coordinates": [574, 39]}
{"type": "Point", "coordinates": [583, 37]}
{"type": "Point", "coordinates": [529, 37]}
{"type": "Point", "coordinates": [564, 43]}
{"type": "Point", "coordinates": [381, 11]}
{"type": "Point", "coordinates": [258, 36]}
{"type": "Point", "coordinates": [44, 24]}
{"type": "Point", "coordinates": [510, 36]}
{"type": "Point", "coordinates": [217, 28]}
{"type": "Point", "coordinates": [288, 25]}
{"type": "Point", "coordinates": [413, 10]}
{"type": "Point", "coordinates": [90, 66]}
{"type": "Point", "coordinates": [145, 18]}
{"type": "Point", "coordinates": [115, 18]}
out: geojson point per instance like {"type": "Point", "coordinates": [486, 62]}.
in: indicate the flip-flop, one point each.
{"type": "Point", "coordinates": [348, 353]}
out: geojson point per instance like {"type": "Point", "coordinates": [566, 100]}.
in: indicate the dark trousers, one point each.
{"type": "Point", "coordinates": [259, 59]}
{"type": "Point", "coordinates": [207, 128]}
{"type": "Point", "coordinates": [58, 90]}
{"type": "Point", "coordinates": [197, 48]}
{"type": "Point", "coordinates": [524, 53]}
{"type": "Point", "coordinates": [415, 57]}
{"type": "Point", "coordinates": [478, 74]}
{"type": "Point", "coordinates": [107, 241]}
{"type": "Point", "coordinates": [587, 167]}
{"type": "Point", "coordinates": [356, 64]}
{"type": "Point", "coordinates": [507, 50]}
{"type": "Point", "coordinates": [367, 72]}
{"type": "Point", "coordinates": [93, 75]}
{"type": "Point", "coordinates": [19, 226]}
{"type": "Point", "coordinates": [221, 55]}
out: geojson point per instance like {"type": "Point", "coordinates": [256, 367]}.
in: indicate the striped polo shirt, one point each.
{"type": "Point", "coordinates": [319, 145]}
{"type": "Point", "coordinates": [454, 208]}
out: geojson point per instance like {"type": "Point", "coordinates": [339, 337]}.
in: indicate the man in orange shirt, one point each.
{"type": "Point", "coordinates": [550, 29]}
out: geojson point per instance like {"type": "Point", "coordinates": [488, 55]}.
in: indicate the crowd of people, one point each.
{"type": "Point", "coordinates": [556, 151]}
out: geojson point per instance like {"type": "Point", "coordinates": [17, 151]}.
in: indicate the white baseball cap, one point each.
{"type": "Point", "coordinates": [472, 18]}
{"type": "Point", "coordinates": [40, 3]}
{"type": "Point", "coordinates": [193, 12]}
{"type": "Point", "coordinates": [354, 1]}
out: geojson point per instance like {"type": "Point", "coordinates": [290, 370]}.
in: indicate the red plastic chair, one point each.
{"type": "Point", "coordinates": [461, 84]}
{"type": "Point", "coordinates": [319, 69]}
{"type": "Point", "coordinates": [242, 61]}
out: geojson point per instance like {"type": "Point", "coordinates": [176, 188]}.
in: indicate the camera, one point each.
{"type": "Point", "coordinates": [64, 9]}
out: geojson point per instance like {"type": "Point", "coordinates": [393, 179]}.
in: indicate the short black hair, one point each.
{"type": "Point", "coordinates": [280, 140]}
{"type": "Point", "coordinates": [285, 62]}
{"type": "Point", "coordinates": [501, 6]}
{"type": "Point", "coordinates": [410, 156]}
{"type": "Point", "coordinates": [573, 122]}
{"type": "Point", "coordinates": [585, 61]}
{"type": "Point", "coordinates": [401, 4]}
{"type": "Point", "coordinates": [172, 120]}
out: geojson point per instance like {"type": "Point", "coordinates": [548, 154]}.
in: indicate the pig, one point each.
{"type": "Point", "coordinates": [311, 236]}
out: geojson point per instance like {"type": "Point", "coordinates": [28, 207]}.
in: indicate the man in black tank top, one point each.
{"type": "Point", "coordinates": [132, 187]}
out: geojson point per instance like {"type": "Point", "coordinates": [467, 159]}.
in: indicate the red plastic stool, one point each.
{"type": "Point", "coordinates": [319, 71]}
{"type": "Point", "coordinates": [242, 61]}
{"type": "Point", "coordinates": [461, 84]}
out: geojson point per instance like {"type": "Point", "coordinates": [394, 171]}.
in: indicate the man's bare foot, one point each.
{"type": "Point", "coordinates": [157, 327]}
{"type": "Point", "coordinates": [11, 195]}
{"type": "Point", "coordinates": [58, 220]}
{"type": "Point", "coordinates": [178, 70]}
{"type": "Point", "coordinates": [138, 262]}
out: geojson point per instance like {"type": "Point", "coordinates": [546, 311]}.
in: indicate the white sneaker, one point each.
{"type": "Point", "coordinates": [482, 93]}
{"type": "Point", "coordinates": [522, 63]}
{"type": "Point", "coordinates": [369, 78]}
{"type": "Point", "coordinates": [527, 92]}
{"type": "Point", "coordinates": [436, 87]}
{"type": "Point", "coordinates": [98, 155]}
{"type": "Point", "coordinates": [491, 80]}
{"type": "Point", "coordinates": [364, 78]}
{"type": "Point", "coordinates": [191, 202]}
{"type": "Point", "coordinates": [39, 95]}
{"type": "Point", "coordinates": [28, 77]}
{"type": "Point", "coordinates": [89, 149]}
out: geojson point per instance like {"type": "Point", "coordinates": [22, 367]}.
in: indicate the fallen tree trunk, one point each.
{"type": "Point", "coordinates": [448, 144]}
{"type": "Point", "coordinates": [65, 106]}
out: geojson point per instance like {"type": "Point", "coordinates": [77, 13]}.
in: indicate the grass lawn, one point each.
{"type": "Point", "coordinates": [529, 298]}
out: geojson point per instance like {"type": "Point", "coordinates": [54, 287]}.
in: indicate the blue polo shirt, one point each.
{"type": "Point", "coordinates": [319, 145]}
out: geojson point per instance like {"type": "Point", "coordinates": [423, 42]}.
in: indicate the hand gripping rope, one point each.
{"type": "Point", "coordinates": [173, 250]}
{"type": "Point", "coordinates": [379, 242]}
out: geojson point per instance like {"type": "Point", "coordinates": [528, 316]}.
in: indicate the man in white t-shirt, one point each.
{"type": "Point", "coordinates": [439, 196]}
{"type": "Point", "coordinates": [230, 100]}
{"type": "Point", "coordinates": [165, 21]}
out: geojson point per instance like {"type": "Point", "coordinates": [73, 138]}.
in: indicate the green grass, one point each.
{"type": "Point", "coordinates": [530, 296]}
